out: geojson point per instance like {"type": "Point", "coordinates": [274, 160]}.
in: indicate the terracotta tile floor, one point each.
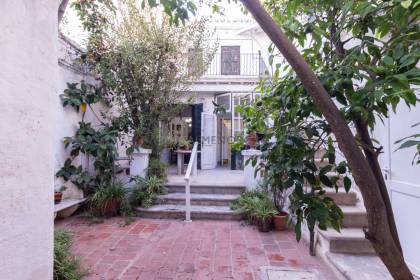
{"type": "Point", "coordinates": [170, 249]}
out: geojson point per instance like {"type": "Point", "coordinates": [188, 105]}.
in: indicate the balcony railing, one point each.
{"type": "Point", "coordinates": [244, 64]}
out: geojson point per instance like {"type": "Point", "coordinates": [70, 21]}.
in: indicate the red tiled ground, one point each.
{"type": "Point", "coordinates": [170, 249]}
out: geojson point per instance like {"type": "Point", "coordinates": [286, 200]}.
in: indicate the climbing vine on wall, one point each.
{"type": "Point", "coordinates": [98, 144]}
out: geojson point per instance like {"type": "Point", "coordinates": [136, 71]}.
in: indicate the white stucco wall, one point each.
{"type": "Point", "coordinates": [28, 55]}
{"type": "Point", "coordinates": [67, 118]}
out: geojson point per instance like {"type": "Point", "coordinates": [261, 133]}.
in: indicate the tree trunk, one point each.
{"type": "Point", "coordinates": [62, 9]}
{"type": "Point", "coordinates": [372, 158]}
{"type": "Point", "coordinates": [379, 232]}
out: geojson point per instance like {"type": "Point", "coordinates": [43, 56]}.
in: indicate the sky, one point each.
{"type": "Point", "coordinates": [72, 28]}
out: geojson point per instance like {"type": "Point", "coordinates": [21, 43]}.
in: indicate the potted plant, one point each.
{"type": "Point", "coordinates": [264, 213]}
{"type": "Point", "coordinates": [58, 195]}
{"type": "Point", "coordinates": [251, 139]}
{"type": "Point", "coordinates": [107, 199]}
{"type": "Point", "coordinates": [281, 218]}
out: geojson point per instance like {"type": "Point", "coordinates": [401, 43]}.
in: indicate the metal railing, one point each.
{"type": "Point", "coordinates": [192, 167]}
{"type": "Point", "coordinates": [243, 64]}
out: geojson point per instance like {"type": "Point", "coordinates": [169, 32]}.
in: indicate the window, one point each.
{"type": "Point", "coordinates": [230, 60]}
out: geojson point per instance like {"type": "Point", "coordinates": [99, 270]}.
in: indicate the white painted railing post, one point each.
{"type": "Point", "coordinates": [192, 167]}
{"type": "Point", "coordinates": [195, 166]}
{"type": "Point", "coordinates": [188, 201]}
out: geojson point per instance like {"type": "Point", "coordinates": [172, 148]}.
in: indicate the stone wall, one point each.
{"type": "Point", "coordinates": [28, 84]}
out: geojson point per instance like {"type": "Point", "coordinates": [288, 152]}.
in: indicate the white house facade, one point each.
{"type": "Point", "coordinates": [240, 62]}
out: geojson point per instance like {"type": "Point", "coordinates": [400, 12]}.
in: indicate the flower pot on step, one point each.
{"type": "Point", "coordinates": [280, 221]}
{"type": "Point", "coordinates": [58, 196]}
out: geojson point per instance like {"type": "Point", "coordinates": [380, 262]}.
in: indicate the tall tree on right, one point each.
{"type": "Point", "coordinates": [361, 55]}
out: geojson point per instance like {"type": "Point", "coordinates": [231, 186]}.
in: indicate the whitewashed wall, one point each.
{"type": "Point", "coordinates": [28, 71]}
{"type": "Point", "coordinates": [67, 118]}
{"type": "Point", "coordinates": [402, 179]}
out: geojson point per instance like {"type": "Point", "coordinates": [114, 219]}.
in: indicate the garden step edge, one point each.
{"type": "Point", "coordinates": [170, 211]}
{"type": "Point", "coordinates": [197, 199]}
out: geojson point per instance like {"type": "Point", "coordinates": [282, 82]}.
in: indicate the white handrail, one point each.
{"type": "Point", "coordinates": [192, 166]}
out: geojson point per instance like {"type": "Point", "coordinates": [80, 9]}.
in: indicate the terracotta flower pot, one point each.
{"type": "Point", "coordinates": [251, 140]}
{"type": "Point", "coordinates": [264, 225]}
{"type": "Point", "coordinates": [58, 196]}
{"type": "Point", "coordinates": [111, 207]}
{"type": "Point", "coordinates": [280, 221]}
{"type": "Point", "coordinates": [138, 140]}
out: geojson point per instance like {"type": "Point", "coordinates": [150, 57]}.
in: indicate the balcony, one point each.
{"type": "Point", "coordinates": [234, 65]}
{"type": "Point", "coordinates": [244, 64]}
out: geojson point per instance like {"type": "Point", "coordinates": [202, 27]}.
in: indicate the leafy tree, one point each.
{"type": "Point", "coordinates": [363, 55]}
{"type": "Point", "coordinates": [146, 66]}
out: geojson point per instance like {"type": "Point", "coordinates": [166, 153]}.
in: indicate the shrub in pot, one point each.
{"type": "Point", "coordinates": [263, 213]}
{"type": "Point", "coordinates": [278, 193]}
{"type": "Point", "coordinates": [251, 140]}
{"type": "Point", "coordinates": [184, 144]}
{"type": "Point", "coordinates": [280, 220]}
{"type": "Point", "coordinates": [107, 199]}
{"type": "Point", "coordinates": [145, 190]}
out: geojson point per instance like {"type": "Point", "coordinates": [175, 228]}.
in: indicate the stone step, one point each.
{"type": "Point", "coordinates": [197, 199]}
{"type": "Point", "coordinates": [348, 241]}
{"type": "Point", "coordinates": [354, 217]}
{"type": "Point", "coordinates": [358, 267]}
{"type": "Point", "coordinates": [169, 211]}
{"type": "Point", "coordinates": [206, 189]}
{"type": "Point", "coordinates": [341, 197]}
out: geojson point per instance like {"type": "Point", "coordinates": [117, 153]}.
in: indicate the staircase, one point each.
{"type": "Point", "coordinates": [351, 239]}
{"type": "Point", "coordinates": [348, 252]}
{"type": "Point", "coordinates": [209, 202]}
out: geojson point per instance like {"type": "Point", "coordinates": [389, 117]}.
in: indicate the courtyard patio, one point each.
{"type": "Point", "coordinates": [169, 249]}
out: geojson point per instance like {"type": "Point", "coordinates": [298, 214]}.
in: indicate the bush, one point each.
{"type": "Point", "coordinates": [107, 199]}
{"type": "Point", "coordinates": [145, 190]}
{"type": "Point", "coordinates": [157, 168]}
{"type": "Point", "coordinates": [255, 205]}
{"type": "Point", "coordinates": [66, 266]}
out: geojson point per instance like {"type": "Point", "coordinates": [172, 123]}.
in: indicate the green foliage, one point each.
{"type": "Point", "coordinates": [365, 55]}
{"type": "Point", "coordinates": [184, 144]}
{"type": "Point", "coordinates": [144, 62]}
{"type": "Point", "coordinates": [409, 142]}
{"type": "Point", "coordinates": [98, 143]}
{"type": "Point", "coordinates": [80, 97]}
{"type": "Point", "coordinates": [239, 144]}
{"type": "Point", "coordinates": [157, 169]}
{"type": "Point", "coordinates": [105, 194]}
{"type": "Point", "coordinates": [66, 266]}
{"type": "Point", "coordinates": [145, 190]}
{"type": "Point", "coordinates": [255, 205]}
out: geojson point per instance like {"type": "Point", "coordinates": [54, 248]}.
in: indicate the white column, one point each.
{"type": "Point", "coordinates": [251, 181]}
{"type": "Point", "coordinates": [28, 84]}
{"type": "Point", "coordinates": [140, 162]}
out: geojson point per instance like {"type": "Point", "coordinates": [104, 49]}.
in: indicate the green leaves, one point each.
{"type": "Point", "coordinates": [347, 183]}
{"type": "Point", "coordinates": [77, 96]}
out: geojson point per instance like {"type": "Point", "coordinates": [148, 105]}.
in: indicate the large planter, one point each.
{"type": "Point", "coordinates": [264, 225]}
{"type": "Point", "coordinates": [111, 207]}
{"type": "Point", "coordinates": [280, 221]}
